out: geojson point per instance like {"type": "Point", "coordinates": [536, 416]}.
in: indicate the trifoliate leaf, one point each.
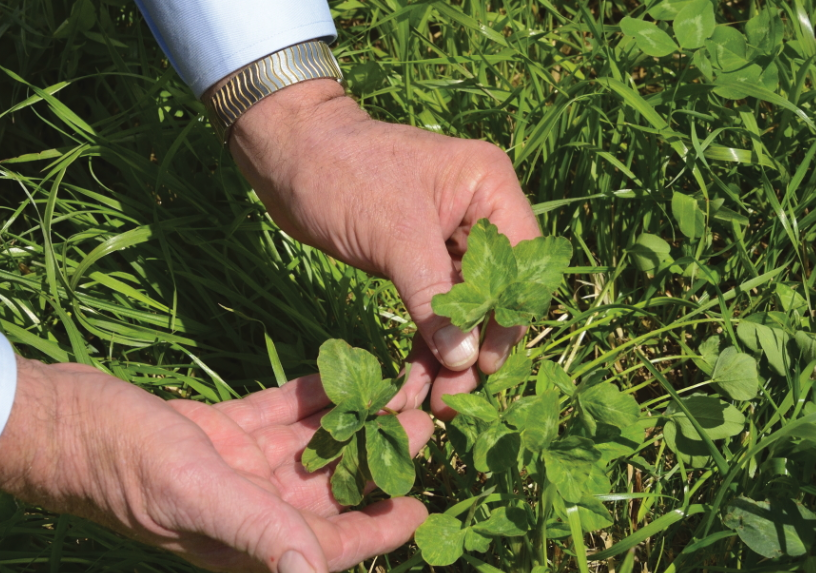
{"type": "Point", "coordinates": [472, 405]}
{"type": "Point", "coordinates": [389, 459]}
{"type": "Point", "coordinates": [513, 372]}
{"type": "Point", "coordinates": [569, 463]}
{"type": "Point", "coordinates": [321, 451]}
{"type": "Point", "coordinates": [719, 419]}
{"type": "Point", "coordinates": [650, 39]}
{"type": "Point", "coordinates": [343, 421]}
{"type": "Point", "coordinates": [541, 425]}
{"type": "Point", "coordinates": [440, 538]}
{"type": "Point", "coordinates": [504, 522]}
{"type": "Point", "coordinates": [772, 529]}
{"type": "Point", "coordinates": [736, 374]}
{"type": "Point", "coordinates": [514, 282]}
{"type": "Point", "coordinates": [649, 251]}
{"type": "Point", "coordinates": [694, 24]}
{"type": "Point", "coordinates": [606, 404]}
{"type": "Point", "coordinates": [551, 375]}
{"type": "Point", "coordinates": [349, 479]}
{"type": "Point", "coordinates": [349, 375]}
{"type": "Point", "coordinates": [496, 449]}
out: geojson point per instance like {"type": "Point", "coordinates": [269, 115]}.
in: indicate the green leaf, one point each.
{"type": "Point", "coordinates": [591, 511]}
{"type": "Point", "coordinates": [615, 442]}
{"type": "Point", "coordinates": [321, 451]}
{"type": "Point", "coordinates": [772, 529]}
{"type": "Point", "coordinates": [541, 425]}
{"type": "Point", "coordinates": [475, 541]}
{"type": "Point", "coordinates": [389, 459]}
{"type": "Point", "coordinates": [349, 375]}
{"type": "Point", "coordinates": [790, 299]}
{"type": "Point", "coordinates": [605, 403]}
{"type": "Point", "coordinates": [496, 449]}
{"type": "Point", "coordinates": [504, 522]}
{"type": "Point", "coordinates": [700, 59]}
{"type": "Point", "coordinates": [514, 282]}
{"type": "Point", "coordinates": [771, 339]}
{"type": "Point", "coordinates": [669, 9]}
{"type": "Point", "coordinates": [82, 18]}
{"type": "Point", "coordinates": [719, 419]}
{"type": "Point", "coordinates": [551, 375]}
{"type": "Point", "coordinates": [440, 538]}
{"type": "Point", "coordinates": [736, 374]}
{"type": "Point", "coordinates": [710, 350]}
{"type": "Point", "coordinates": [463, 431]}
{"type": "Point", "coordinates": [649, 251]}
{"type": "Point", "coordinates": [569, 464]}
{"type": "Point", "coordinates": [694, 453]}
{"type": "Point", "coordinates": [765, 31]}
{"type": "Point", "coordinates": [472, 405]}
{"type": "Point", "coordinates": [687, 212]}
{"type": "Point", "coordinates": [342, 422]}
{"type": "Point", "coordinates": [694, 24]}
{"type": "Point", "coordinates": [650, 39]}
{"type": "Point", "coordinates": [730, 84]}
{"type": "Point", "coordinates": [807, 345]}
{"type": "Point", "coordinates": [349, 479]}
{"type": "Point", "coordinates": [513, 372]}
{"type": "Point", "coordinates": [727, 49]}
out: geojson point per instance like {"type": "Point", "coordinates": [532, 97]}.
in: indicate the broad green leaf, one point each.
{"type": "Point", "coordinates": [472, 405]}
{"type": "Point", "coordinates": [615, 442]}
{"type": "Point", "coordinates": [605, 403]}
{"type": "Point", "coordinates": [710, 350]}
{"type": "Point", "coordinates": [649, 251]}
{"type": "Point", "coordinates": [650, 39]}
{"type": "Point", "coordinates": [514, 282]}
{"type": "Point", "coordinates": [343, 421]}
{"type": "Point", "coordinates": [569, 463]}
{"type": "Point", "coordinates": [772, 529]}
{"type": "Point", "coordinates": [765, 30]}
{"type": "Point", "coordinates": [475, 541]}
{"type": "Point", "coordinates": [504, 522]}
{"type": "Point", "coordinates": [668, 9]}
{"type": "Point", "coordinates": [597, 483]}
{"type": "Point", "coordinates": [807, 345]}
{"type": "Point", "coordinates": [463, 431]}
{"type": "Point", "coordinates": [513, 372]}
{"type": "Point", "coordinates": [687, 212]}
{"type": "Point", "coordinates": [349, 375]}
{"type": "Point", "coordinates": [694, 453]}
{"type": "Point", "coordinates": [770, 77]}
{"type": "Point", "coordinates": [496, 449]}
{"type": "Point", "coordinates": [591, 510]}
{"type": "Point", "coordinates": [349, 479]}
{"type": "Point", "coordinates": [516, 413]}
{"type": "Point", "coordinates": [387, 390]}
{"type": "Point", "coordinates": [701, 61]}
{"type": "Point", "coordinates": [730, 84]}
{"type": "Point", "coordinates": [389, 459]}
{"type": "Point", "coordinates": [719, 419]}
{"type": "Point", "coordinates": [790, 299]}
{"type": "Point", "coordinates": [321, 451]}
{"type": "Point", "coordinates": [694, 24]}
{"type": "Point", "coordinates": [773, 341]}
{"type": "Point", "coordinates": [727, 49]}
{"type": "Point", "coordinates": [551, 375]}
{"type": "Point", "coordinates": [736, 374]}
{"type": "Point", "coordinates": [440, 538]}
{"type": "Point", "coordinates": [541, 425]}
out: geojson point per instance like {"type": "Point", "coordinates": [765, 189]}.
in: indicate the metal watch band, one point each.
{"type": "Point", "coordinates": [306, 61]}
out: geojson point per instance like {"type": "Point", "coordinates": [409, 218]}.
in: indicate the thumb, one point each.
{"type": "Point", "coordinates": [421, 269]}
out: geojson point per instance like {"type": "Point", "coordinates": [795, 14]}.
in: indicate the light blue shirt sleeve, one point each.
{"type": "Point", "coordinates": [206, 40]}
{"type": "Point", "coordinates": [8, 380]}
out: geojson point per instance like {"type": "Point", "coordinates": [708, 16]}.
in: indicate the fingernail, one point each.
{"type": "Point", "coordinates": [294, 562]}
{"type": "Point", "coordinates": [456, 348]}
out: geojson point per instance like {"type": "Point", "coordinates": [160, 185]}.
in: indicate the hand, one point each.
{"type": "Point", "coordinates": [222, 485]}
{"type": "Point", "coordinates": [392, 200]}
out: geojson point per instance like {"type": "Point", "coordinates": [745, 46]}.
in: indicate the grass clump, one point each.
{"type": "Point", "coordinates": [680, 169]}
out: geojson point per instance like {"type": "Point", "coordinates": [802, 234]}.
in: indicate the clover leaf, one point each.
{"type": "Point", "coordinates": [516, 283]}
{"type": "Point", "coordinates": [370, 446]}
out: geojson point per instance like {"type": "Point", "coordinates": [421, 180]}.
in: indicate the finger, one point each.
{"type": "Point", "coordinates": [312, 492]}
{"type": "Point", "coordinates": [448, 382]}
{"type": "Point", "coordinates": [421, 268]}
{"type": "Point", "coordinates": [424, 368]}
{"type": "Point", "coordinates": [498, 342]}
{"type": "Point", "coordinates": [296, 400]}
{"type": "Point", "coordinates": [380, 528]}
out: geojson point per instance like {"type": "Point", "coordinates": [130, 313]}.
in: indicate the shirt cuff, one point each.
{"type": "Point", "coordinates": [8, 380]}
{"type": "Point", "coordinates": [207, 40]}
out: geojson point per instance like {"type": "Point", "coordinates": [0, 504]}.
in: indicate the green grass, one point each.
{"type": "Point", "coordinates": [128, 240]}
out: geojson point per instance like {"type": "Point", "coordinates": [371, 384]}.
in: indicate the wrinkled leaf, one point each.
{"type": "Point", "coordinates": [694, 24]}
{"type": "Point", "coordinates": [541, 426]}
{"type": "Point", "coordinates": [513, 372]}
{"type": "Point", "coordinates": [389, 459]}
{"type": "Point", "coordinates": [736, 374]}
{"type": "Point", "coordinates": [650, 39]}
{"type": "Point", "coordinates": [440, 538]}
{"type": "Point", "coordinates": [472, 405]}
{"type": "Point", "coordinates": [496, 449]}
{"type": "Point", "coordinates": [349, 479]}
{"type": "Point", "coordinates": [772, 529]}
{"type": "Point", "coordinates": [321, 451]}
